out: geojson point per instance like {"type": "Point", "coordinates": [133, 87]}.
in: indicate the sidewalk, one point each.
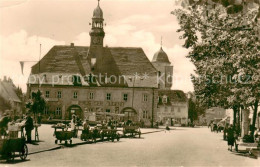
{"type": "Point", "coordinates": [47, 140]}
{"type": "Point", "coordinates": [251, 148]}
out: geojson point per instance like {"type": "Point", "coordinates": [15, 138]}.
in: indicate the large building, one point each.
{"type": "Point", "coordinates": [96, 80]}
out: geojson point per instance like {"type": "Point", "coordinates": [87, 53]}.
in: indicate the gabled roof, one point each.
{"type": "Point", "coordinates": [132, 60]}
{"type": "Point", "coordinates": [63, 59]}
{"type": "Point", "coordinates": [116, 61]}
{"type": "Point", "coordinates": [174, 95]}
{"type": "Point", "coordinates": [7, 91]}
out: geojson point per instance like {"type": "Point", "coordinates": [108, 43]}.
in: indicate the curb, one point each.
{"type": "Point", "coordinates": [152, 132]}
{"type": "Point", "coordinates": [50, 149]}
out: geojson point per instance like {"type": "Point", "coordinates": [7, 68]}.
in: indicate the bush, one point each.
{"type": "Point", "coordinates": [248, 139]}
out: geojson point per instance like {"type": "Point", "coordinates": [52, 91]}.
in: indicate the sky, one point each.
{"type": "Point", "coordinates": [25, 24]}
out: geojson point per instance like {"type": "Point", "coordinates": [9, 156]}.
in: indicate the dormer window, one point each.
{"type": "Point", "coordinates": [93, 61]}
{"type": "Point", "coordinates": [164, 99]}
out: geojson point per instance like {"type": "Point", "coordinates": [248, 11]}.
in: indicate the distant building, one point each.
{"type": "Point", "coordinates": [212, 113]}
{"type": "Point", "coordinates": [173, 106]}
{"type": "Point", "coordinates": [8, 93]}
{"type": "Point", "coordinates": [96, 80]}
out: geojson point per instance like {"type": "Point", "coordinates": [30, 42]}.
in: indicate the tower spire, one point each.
{"type": "Point", "coordinates": [97, 32]}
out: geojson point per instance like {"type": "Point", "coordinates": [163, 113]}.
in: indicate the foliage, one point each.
{"type": "Point", "coordinates": [37, 103]}
{"type": "Point", "coordinates": [195, 109]}
{"type": "Point", "coordinates": [225, 49]}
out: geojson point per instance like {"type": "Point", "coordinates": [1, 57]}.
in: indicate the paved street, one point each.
{"type": "Point", "coordinates": [180, 147]}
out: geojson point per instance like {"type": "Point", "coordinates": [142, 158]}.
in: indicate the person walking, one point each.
{"type": "Point", "coordinates": [230, 137]}
{"type": "Point", "coordinates": [73, 125]}
{"type": "Point", "coordinates": [167, 126]}
{"type": "Point", "coordinates": [3, 124]}
{"type": "Point", "coordinates": [29, 127]}
{"type": "Point", "coordinates": [225, 132]}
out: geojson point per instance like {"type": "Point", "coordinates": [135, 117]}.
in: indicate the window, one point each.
{"type": "Point", "coordinates": [91, 110]}
{"type": "Point", "coordinates": [179, 109]}
{"type": "Point", "coordinates": [145, 114]}
{"type": "Point", "coordinates": [125, 96]}
{"type": "Point", "coordinates": [47, 94]}
{"type": "Point", "coordinates": [75, 95]}
{"type": "Point", "coordinates": [91, 95]}
{"type": "Point", "coordinates": [108, 96]}
{"type": "Point", "coordinates": [145, 97]}
{"type": "Point", "coordinates": [93, 61]}
{"type": "Point", "coordinates": [58, 111]}
{"type": "Point", "coordinates": [107, 110]}
{"type": "Point", "coordinates": [59, 94]}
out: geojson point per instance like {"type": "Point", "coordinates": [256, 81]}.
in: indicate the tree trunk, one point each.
{"type": "Point", "coordinates": [238, 119]}
{"type": "Point", "coordinates": [245, 122]}
{"type": "Point", "coordinates": [234, 115]}
{"type": "Point", "coordinates": [254, 118]}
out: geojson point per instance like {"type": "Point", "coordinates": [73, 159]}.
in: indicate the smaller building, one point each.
{"type": "Point", "coordinates": [8, 93]}
{"type": "Point", "coordinates": [211, 114]}
{"type": "Point", "coordinates": [172, 105]}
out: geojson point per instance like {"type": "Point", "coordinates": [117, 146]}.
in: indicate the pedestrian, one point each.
{"type": "Point", "coordinates": [39, 118]}
{"type": "Point", "coordinates": [4, 124]}
{"type": "Point", "coordinates": [230, 137]}
{"type": "Point", "coordinates": [29, 127]}
{"type": "Point", "coordinates": [167, 126]}
{"type": "Point", "coordinates": [225, 132]}
{"type": "Point", "coordinates": [86, 127]}
{"type": "Point", "coordinates": [73, 125]}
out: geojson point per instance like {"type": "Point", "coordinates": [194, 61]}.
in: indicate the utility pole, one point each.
{"type": "Point", "coordinates": [152, 107]}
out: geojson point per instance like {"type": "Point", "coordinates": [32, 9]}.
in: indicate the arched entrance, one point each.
{"type": "Point", "coordinates": [74, 109]}
{"type": "Point", "coordinates": [130, 113]}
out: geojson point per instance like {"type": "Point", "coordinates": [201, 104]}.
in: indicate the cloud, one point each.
{"type": "Point", "coordinates": [82, 39]}
{"type": "Point", "coordinates": [21, 47]}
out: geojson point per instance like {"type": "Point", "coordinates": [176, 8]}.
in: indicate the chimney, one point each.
{"type": "Point", "coordinates": [72, 45]}
{"type": "Point", "coordinates": [5, 78]}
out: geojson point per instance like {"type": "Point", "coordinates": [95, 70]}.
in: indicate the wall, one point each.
{"type": "Point", "coordinates": [99, 103]}
{"type": "Point", "coordinates": [178, 111]}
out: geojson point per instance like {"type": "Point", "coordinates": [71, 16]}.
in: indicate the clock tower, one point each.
{"type": "Point", "coordinates": [97, 33]}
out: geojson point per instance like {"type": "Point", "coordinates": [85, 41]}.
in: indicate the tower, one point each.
{"type": "Point", "coordinates": [164, 68]}
{"type": "Point", "coordinates": [97, 33]}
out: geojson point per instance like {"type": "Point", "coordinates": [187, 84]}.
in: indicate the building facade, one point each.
{"type": "Point", "coordinates": [96, 80]}
{"type": "Point", "coordinates": [211, 114]}
{"type": "Point", "coordinates": [172, 106]}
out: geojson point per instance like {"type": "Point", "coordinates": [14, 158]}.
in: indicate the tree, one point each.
{"type": "Point", "coordinates": [37, 104]}
{"type": "Point", "coordinates": [195, 109]}
{"type": "Point", "coordinates": [225, 51]}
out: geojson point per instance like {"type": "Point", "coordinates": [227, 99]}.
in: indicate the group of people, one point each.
{"type": "Point", "coordinates": [7, 120]}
